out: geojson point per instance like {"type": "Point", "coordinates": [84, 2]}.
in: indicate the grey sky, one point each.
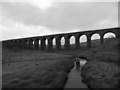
{"type": "Point", "coordinates": [31, 17]}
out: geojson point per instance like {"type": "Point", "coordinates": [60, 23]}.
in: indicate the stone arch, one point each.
{"type": "Point", "coordinates": [83, 41]}
{"type": "Point", "coordinates": [83, 38]}
{"type": "Point", "coordinates": [32, 46]}
{"type": "Point", "coordinates": [39, 43]}
{"type": "Point", "coordinates": [53, 39]}
{"type": "Point", "coordinates": [58, 42]}
{"type": "Point", "coordinates": [77, 42]}
{"type": "Point", "coordinates": [116, 33]}
{"type": "Point", "coordinates": [95, 40]}
{"type": "Point", "coordinates": [72, 41]}
{"type": "Point", "coordinates": [54, 42]}
{"type": "Point", "coordinates": [107, 35]}
{"type": "Point", "coordinates": [62, 42]}
{"type": "Point", "coordinates": [33, 42]}
{"type": "Point", "coordinates": [50, 43]}
{"type": "Point", "coordinates": [25, 44]}
{"type": "Point", "coordinates": [43, 44]}
{"type": "Point", "coordinates": [36, 43]}
{"type": "Point", "coordinates": [67, 41]}
{"type": "Point", "coordinates": [46, 42]}
{"type": "Point", "coordinates": [30, 43]}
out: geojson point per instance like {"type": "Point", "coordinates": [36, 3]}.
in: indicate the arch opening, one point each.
{"type": "Point", "coordinates": [39, 43]}
{"type": "Point", "coordinates": [54, 43]}
{"type": "Point", "coordinates": [33, 42]}
{"type": "Point", "coordinates": [46, 43]}
{"type": "Point", "coordinates": [108, 36]}
{"type": "Point", "coordinates": [83, 41]}
{"type": "Point", "coordinates": [62, 41]}
{"type": "Point", "coordinates": [95, 40]}
{"type": "Point", "coordinates": [72, 42]}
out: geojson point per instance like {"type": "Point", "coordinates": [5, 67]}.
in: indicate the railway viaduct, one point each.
{"type": "Point", "coordinates": [27, 43]}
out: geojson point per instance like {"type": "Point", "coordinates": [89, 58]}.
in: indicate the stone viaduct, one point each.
{"type": "Point", "coordinates": [27, 43]}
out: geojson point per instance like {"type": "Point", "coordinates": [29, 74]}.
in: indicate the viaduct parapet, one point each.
{"type": "Point", "coordinates": [27, 43]}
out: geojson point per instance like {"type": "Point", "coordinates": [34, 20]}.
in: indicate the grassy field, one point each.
{"type": "Point", "coordinates": [34, 69]}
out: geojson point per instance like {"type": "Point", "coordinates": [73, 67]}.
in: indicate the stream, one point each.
{"type": "Point", "coordinates": [74, 77]}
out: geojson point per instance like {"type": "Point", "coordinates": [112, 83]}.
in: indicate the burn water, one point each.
{"type": "Point", "coordinates": [74, 77]}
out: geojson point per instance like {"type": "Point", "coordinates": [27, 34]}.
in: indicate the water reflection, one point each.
{"type": "Point", "coordinates": [79, 62]}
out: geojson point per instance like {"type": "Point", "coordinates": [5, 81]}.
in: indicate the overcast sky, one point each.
{"type": "Point", "coordinates": [23, 18]}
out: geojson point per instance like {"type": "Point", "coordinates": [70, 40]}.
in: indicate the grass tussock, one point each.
{"type": "Point", "coordinates": [97, 74]}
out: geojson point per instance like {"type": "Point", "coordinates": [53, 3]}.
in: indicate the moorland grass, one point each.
{"type": "Point", "coordinates": [34, 69]}
{"type": "Point", "coordinates": [99, 74]}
